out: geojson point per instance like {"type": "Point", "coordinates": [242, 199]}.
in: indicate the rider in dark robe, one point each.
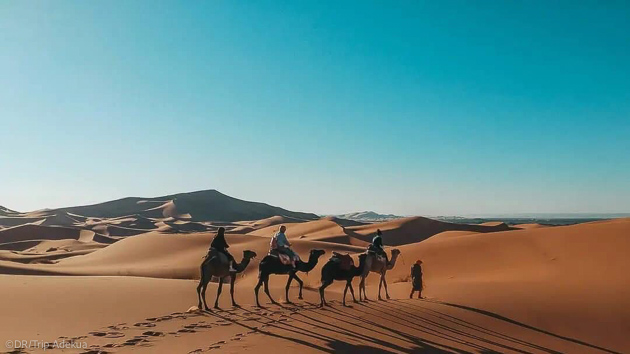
{"type": "Point", "coordinates": [377, 245]}
{"type": "Point", "coordinates": [416, 279]}
{"type": "Point", "coordinates": [219, 244]}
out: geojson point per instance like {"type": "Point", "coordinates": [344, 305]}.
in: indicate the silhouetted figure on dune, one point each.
{"type": "Point", "coordinates": [416, 279]}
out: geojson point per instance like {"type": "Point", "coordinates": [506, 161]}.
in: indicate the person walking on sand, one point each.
{"type": "Point", "coordinates": [220, 244]}
{"type": "Point", "coordinates": [281, 244]}
{"type": "Point", "coordinates": [416, 279]}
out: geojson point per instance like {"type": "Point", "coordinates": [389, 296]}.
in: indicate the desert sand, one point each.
{"type": "Point", "coordinates": [122, 276]}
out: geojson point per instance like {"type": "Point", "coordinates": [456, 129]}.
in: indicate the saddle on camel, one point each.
{"type": "Point", "coordinates": [281, 247]}
{"type": "Point", "coordinates": [344, 260]}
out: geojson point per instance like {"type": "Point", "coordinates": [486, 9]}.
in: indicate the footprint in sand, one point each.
{"type": "Point", "coordinates": [135, 341]}
{"type": "Point", "coordinates": [216, 345]}
{"type": "Point", "coordinates": [118, 327]}
{"type": "Point", "coordinates": [187, 330]}
{"type": "Point", "coordinates": [153, 334]}
{"type": "Point", "coordinates": [144, 324]}
{"type": "Point", "coordinates": [108, 334]}
{"type": "Point", "coordinates": [95, 351]}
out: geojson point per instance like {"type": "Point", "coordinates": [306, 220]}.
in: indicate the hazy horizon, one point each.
{"type": "Point", "coordinates": [450, 108]}
{"type": "Point", "coordinates": [525, 215]}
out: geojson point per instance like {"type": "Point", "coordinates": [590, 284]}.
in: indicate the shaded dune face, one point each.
{"type": "Point", "coordinates": [566, 280]}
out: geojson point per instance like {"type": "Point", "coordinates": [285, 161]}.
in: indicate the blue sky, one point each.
{"type": "Point", "coordinates": [401, 107]}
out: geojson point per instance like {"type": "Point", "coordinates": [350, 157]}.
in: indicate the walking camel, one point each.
{"type": "Point", "coordinates": [334, 270]}
{"type": "Point", "coordinates": [217, 264]}
{"type": "Point", "coordinates": [378, 265]}
{"type": "Point", "coordinates": [272, 265]}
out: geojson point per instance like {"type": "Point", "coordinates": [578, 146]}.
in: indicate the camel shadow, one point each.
{"type": "Point", "coordinates": [321, 331]}
{"type": "Point", "coordinates": [406, 326]}
{"type": "Point", "coordinates": [526, 326]}
{"type": "Point", "coordinates": [490, 336]}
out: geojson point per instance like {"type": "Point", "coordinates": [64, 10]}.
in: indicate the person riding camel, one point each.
{"type": "Point", "coordinates": [280, 244]}
{"type": "Point", "coordinates": [377, 245]}
{"type": "Point", "coordinates": [220, 245]}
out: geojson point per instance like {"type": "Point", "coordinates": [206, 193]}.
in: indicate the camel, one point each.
{"type": "Point", "coordinates": [216, 264]}
{"type": "Point", "coordinates": [332, 271]}
{"type": "Point", "coordinates": [377, 265]}
{"type": "Point", "coordinates": [272, 265]}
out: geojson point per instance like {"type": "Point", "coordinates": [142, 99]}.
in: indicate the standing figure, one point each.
{"type": "Point", "coordinates": [416, 279]}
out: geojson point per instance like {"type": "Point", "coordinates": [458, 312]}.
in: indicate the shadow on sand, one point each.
{"type": "Point", "coordinates": [412, 327]}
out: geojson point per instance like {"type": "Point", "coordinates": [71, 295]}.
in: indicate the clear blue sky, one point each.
{"type": "Point", "coordinates": [402, 107]}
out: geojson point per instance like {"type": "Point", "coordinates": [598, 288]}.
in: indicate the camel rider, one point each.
{"type": "Point", "coordinates": [281, 244]}
{"type": "Point", "coordinates": [377, 245]}
{"type": "Point", "coordinates": [219, 244]}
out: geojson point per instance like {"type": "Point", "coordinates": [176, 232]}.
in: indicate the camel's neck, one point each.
{"type": "Point", "coordinates": [358, 270]}
{"type": "Point", "coordinates": [308, 266]}
{"type": "Point", "coordinates": [241, 266]}
{"type": "Point", "coordinates": [392, 262]}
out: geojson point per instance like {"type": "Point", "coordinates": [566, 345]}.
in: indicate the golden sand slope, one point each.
{"type": "Point", "coordinates": [123, 314]}
{"type": "Point", "coordinates": [550, 289]}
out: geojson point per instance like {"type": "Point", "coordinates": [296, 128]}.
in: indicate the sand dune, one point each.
{"type": "Point", "coordinates": [209, 205]}
{"type": "Point", "coordinates": [37, 232]}
{"type": "Point", "coordinates": [151, 317]}
{"type": "Point", "coordinates": [491, 287]}
{"type": "Point", "coordinates": [529, 226]}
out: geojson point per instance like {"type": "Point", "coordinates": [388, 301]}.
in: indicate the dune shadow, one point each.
{"type": "Point", "coordinates": [526, 326]}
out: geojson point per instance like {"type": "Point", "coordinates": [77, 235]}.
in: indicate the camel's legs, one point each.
{"type": "Point", "coordinates": [385, 283]}
{"type": "Point", "coordinates": [286, 289]}
{"type": "Point", "coordinates": [266, 284]}
{"type": "Point", "coordinates": [232, 280]}
{"type": "Point", "coordinates": [352, 291]}
{"type": "Point", "coordinates": [345, 290]}
{"type": "Point", "coordinates": [261, 278]}
{"type": "Point", "coordinates": [380, 284]}
{"type": "Point", "coordinates": [361, 283]}
{"type": "Point", "coordinates": [216, 302]}
{"type": "Point", "coordinates": [362, 288]}
{"type": "Point", "coordinates": [199, 287]}
{"type": "Point", "coordinates": [321, 292]}
{"type": "Point", "coordinates": [301, 285]}
{"type": "Point", "coordinates": [204, 285]}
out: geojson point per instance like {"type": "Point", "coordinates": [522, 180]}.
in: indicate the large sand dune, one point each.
{"type": "Point", "coordinates": [124, 279]}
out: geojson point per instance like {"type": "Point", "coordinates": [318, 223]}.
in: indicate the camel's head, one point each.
{"type": "Point", "coordinates": [247, 254]}
{"type": "Point", "coordinates": [317, 253]}
{"type": "Point", "coordinates": [395, 251]}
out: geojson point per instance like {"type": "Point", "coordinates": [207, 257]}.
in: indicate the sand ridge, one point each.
{"type": "Point", "coordinates": [490, 288]}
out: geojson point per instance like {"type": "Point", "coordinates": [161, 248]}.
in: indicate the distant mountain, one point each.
{"type": "Point", "coordinates": [6, 212]}
{"type": "Point", "coordinates": [369, 216]}
{"type": "Point", "coordinates": [207, 205]}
